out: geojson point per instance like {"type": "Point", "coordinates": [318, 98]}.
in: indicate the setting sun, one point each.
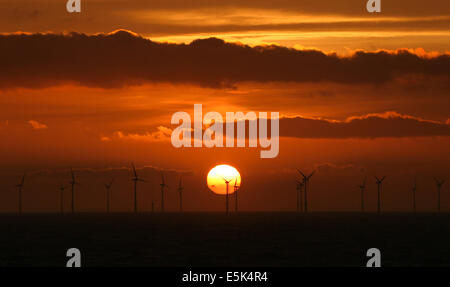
{"type": "Point", "coordinates": [218, 176]}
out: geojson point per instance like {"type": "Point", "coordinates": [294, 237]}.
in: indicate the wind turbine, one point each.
{"type": "Point", "coordinates": [306, 182]}
{"type": "Point", "coordinates": [108, 194]}
{"type": "Point", "coordinates": [135, 179]}
{"type": "Point", "coordinates": [73, 182]}
{"type": "Point", "coordinates": [180, 192]}
{"type": "Point", "coordinates": [236, 189]}
{"type": "Point", "coordinates": [163, 186]}
{"type": "Point", "coordinates": [362, 187]}
{"type": "Point", "coordinates": [379, 183]}
{"type": "Point", "coordinates": [62, 187]}
{"type": "Point", "coordinates": [19, 188]}
{"type": "Point", "coordinates": [227, 182]}
{"type": "Point", "coordinates": [299, 196]}
{"type": "Point", "coordinates": [439, 184]}
{"type": "Point", "coordinates": [414, 190]}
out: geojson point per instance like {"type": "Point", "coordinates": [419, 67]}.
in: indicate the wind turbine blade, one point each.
{"type": "Point", "coordinates": [134, 170]}
{"type": "Point", "coordinates": [312, 173]}
{"type": "Point", "coordinates": [301, 172]}
{"type": "Point", "coordinates": [383, 179]}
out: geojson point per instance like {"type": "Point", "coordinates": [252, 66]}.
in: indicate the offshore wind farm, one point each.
{"type": "Point", "coordinates": [225, 133]}
{"type": "Point", "coordinates": [305, 237]}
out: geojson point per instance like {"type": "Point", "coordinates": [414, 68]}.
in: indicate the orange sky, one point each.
{"type": "Point", "coordinates": [100, 102]}
{"type": "Point", "coordinates": [341, 26]}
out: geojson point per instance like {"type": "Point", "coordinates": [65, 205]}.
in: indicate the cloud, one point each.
{"type": "Point", "coordinates": [389, 115]}
{"type": "Point", "coordinates": [37, 126]}
{"type": "Point", "coordinates": [389, 124]}
{"type": "Point", "coordinates": [162, 134]}
{"type": "Point", "coordinates": [122, 59]}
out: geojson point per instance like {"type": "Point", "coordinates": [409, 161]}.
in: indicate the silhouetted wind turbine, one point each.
{"type": "Point", "coordinates": [306, 182]}
{"type": "Point", "coordinates": [299, 196]}
{"type": "Point", "coordinates": [163, 187]}
{"type": "Point", "coordinates": [236, 189]}
{"type": "Point", "coordinates": [19, 189]}
{"type": "Point", "coordinates": [439, 184]}
{"type": "Point", "coordinates": [73, 182]}
{"type": "Point", "coordinates": [362, 187]}
{"type": "Point", "coordinates": [62, 187]}
{"type": "Point", "coordinates": [414, 190]}
{"type": "Point", "coordinates": [108, 195]}
{"type": "Point", "coordinates": [180, 193]}
{"type": "Point", "coordinates": [135, 180]}
{"type": "Point", "coordinates": [227, 182]}
{"type": "Point", "coordinates": [379, 183]}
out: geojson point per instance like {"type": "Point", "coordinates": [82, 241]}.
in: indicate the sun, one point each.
{"type": "Point", "coordinates": [217, 176]}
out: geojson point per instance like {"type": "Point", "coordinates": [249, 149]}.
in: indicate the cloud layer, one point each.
{"type": "Point", "coordinates": [384, 125]}
{"type": "Point", "coordinates": [123, 58]}
{"type": "Point", "coordinates": [390, 124]}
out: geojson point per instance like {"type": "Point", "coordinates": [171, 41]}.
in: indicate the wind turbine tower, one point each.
{"type": "Point", "coordinates": [306, 183]}
{"type": "Point", "coordinates": [163, 187]}
{"type": "Point", "coordinates": [379, 182]}
{"type": "Point", "coordinates": [135, 180]}
{"type": "Point", "coordinates": [19, 189]}
{"type": "Point", "coordinates": [439, 184]}
{"type": "Point", "coordinates": [299, 196]}
{"type": "Point", "coordinates": [227, 182]}
{"type": "Point", "coordinates": [73, 182]}
{"type": "Point", "coordinates": [362, 187]}
{"type": "Point", "coordinates": [236, 189]}
{"type": "Point", "coordinates": [108, 195]}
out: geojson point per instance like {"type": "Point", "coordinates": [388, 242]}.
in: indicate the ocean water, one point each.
{"type": "Point", "coordinates": [214, 239]}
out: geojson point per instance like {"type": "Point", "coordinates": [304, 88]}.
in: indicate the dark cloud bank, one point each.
{"type": "Point", "coordinates": [373, 126]}
{"type": "Point", "coordinates": [122, 58]}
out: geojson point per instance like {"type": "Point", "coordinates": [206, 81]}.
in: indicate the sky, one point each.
{"type": "Point", "coordinates": [358, 95]}
{"type": "Point", "coordinates": [332, 26]}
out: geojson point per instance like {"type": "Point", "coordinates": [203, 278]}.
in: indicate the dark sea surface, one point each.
{"type": "Point", "coordinates": [214, 239]}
